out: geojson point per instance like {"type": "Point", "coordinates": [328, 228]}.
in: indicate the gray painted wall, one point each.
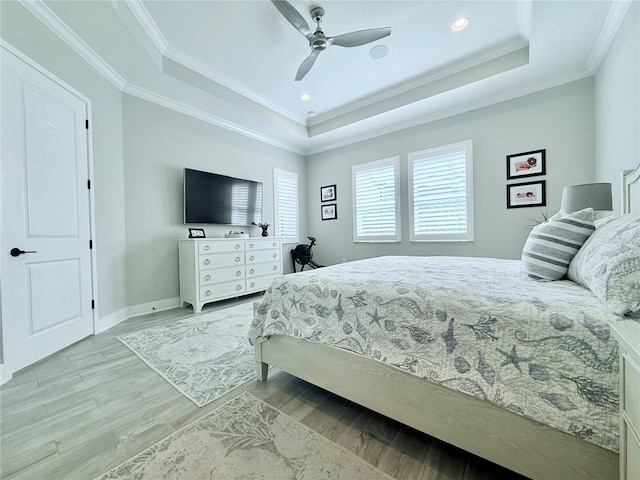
{"type": "Point", "coordinates": [560, 119]}
{"type": "Point", "coordinates": [617, 97]}
{"type": "Point", "coordinates": [158, 144]}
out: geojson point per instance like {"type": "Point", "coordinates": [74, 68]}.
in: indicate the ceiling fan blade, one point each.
{"type": "Point", "coordinates": [307, 64]}
{"type": "Point", "coordinates": [361, 37]}
{"type": "Point", "coordinates": [292, 15]}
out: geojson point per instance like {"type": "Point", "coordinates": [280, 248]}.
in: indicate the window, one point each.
{"type": "Point", "coordinates": [285, 205]}
{"type": "Point", "coordinates": [441, 193]}
{"type": "Point", "coordinates": [376, 201]}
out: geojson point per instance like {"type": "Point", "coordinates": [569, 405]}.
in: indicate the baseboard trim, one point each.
{"type": "Point", "coordinates": [109, 321]}
{"type": "Point", "coordinates": [4, 378]}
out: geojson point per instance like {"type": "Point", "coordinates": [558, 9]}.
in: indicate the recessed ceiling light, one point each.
{"type": "Point", "coordinates": [305, 97]}
{"type": "Point", "coordinates": [460, 24]}
{"type": "Point", "coordinates": [379, 51]}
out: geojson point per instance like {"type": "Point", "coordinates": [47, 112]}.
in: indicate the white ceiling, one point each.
{"type": "Point", "coordinates": [233, 62]}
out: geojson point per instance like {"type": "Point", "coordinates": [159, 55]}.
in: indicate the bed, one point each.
{"type": "Point", "coordinates": [468, 350]}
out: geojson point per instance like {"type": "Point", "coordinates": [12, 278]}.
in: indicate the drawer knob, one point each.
{"type": "Point", "coordinates": [238, 287]}
{"type": "Point", "coordinates": [274, 244]}
{"type": "Point", "coordinates": [207, 261]}
{"type": "Point", "coordinates": [251, 245]}
{"type": "Point", "coordinates": [252, 271]}
{"type": "Point", "coordinates": [237, 246]}
{"type": "Point", "coordinates": [253, 284]}
{"type": "Point", "coordinates": [207, 293]}
{"type": "Point", "coordinates": [251, 257]}
{"type": "Point", "coordinates": [275, 255]}
{"type": "Point", "coordinates": [237, 259]}
{"type": "Point", "coordinates": [238, 273]}
{"type": "Point", "coordinates": [207, 277]}
{"type": "Point", "coordinates": [207, 247]}
{"type": "Point", "coordinates": [275, 267]}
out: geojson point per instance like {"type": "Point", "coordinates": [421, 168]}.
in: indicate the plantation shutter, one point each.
{"type": "Point", "coordinates": [286, 205]}
{"type": "Point", "coordinates": [440, 194]}
{"type": "Point", "coordinates": [376, 201]}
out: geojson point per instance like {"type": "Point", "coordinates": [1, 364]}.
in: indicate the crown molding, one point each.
{"type": "Point", "coordinates": [43, 13]}
{"type": "Point", "coordinates": [147, 23]}
{"type": "Point", "coordinates": [611, 24]}
{"type": "Point", "coordinates": [193, 112]}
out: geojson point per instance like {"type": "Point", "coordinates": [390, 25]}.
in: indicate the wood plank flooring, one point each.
{"type": "Point", "coordinates": [93, 405]}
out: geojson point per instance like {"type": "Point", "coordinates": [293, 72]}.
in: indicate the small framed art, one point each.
{"type": "Point", "coordinates": [328, 193]}
{"type": "Point", "coordinates": [526, 164]}
{"type": "Point", "coordinates": [329, 211]}
{"type": "Point", "coordinates": [530, 194]}
{"type": "Point", "coordinates": [196, 233]}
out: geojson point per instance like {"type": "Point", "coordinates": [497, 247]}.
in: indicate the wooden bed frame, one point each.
{"type": "Point", "coordinates": [518, 443]}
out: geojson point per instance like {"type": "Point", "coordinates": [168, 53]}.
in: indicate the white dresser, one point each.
{"type": "Point", "coordinates": [627, 333]}
{"type": "Point", "coordinates": [219, 268]}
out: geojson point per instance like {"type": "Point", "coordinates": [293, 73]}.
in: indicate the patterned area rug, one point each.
{"type": "Point", "coordinates": [246, 439]}
{"type": "Point", "coordinates": [204, 356]}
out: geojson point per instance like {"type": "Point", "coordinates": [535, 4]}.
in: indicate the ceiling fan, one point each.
{"type": "Point", "coordinates": [318, 41]}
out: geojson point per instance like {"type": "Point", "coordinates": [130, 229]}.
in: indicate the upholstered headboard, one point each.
{"type": "Point", "coordinates": [631, 191]}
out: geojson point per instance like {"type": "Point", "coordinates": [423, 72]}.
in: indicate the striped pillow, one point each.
{"type": "Point", "coordinates": [551, 245]}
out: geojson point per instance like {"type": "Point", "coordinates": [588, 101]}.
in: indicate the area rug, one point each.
{"type": "Point", "coordinates": [203, 356]}
{"type": "Point", "coordinates": [246, 439]}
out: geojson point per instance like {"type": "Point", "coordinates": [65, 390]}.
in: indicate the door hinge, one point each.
{"type": "Point", "coordinates": [86, 124]}
{"type": "Point", "coordinates": [93, 304]}
{"type": "Point", "coordinates": [90, 244]}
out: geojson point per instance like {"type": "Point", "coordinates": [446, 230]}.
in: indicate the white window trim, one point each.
{"type": "Point", "coordinates": [467, 146]}
{"type": "Point", "coordinates": [395, 162]}
{"type": "Point", "coordinates": [277, 173]}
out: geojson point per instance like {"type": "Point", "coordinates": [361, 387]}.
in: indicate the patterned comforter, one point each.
{"type": "Point", "coordinates": [476, 325]}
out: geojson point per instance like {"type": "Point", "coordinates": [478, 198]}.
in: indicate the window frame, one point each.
{"type": "Point", "coordinates": [278, 174]}
{"type": "Point", "coordinates": [468, 236]}
{"type": "Point", "coordinates": [374, 165]}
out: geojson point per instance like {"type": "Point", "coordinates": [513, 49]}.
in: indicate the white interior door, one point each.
{"type": "Point", "coordinates": [46, 260]}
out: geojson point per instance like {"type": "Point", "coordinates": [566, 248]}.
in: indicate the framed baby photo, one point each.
{"type": "Point", "coordinates": [526, 164]}
{"type": "Point", "coordinates": [196, 233]}
{"type": "Point", "coordinates": [329, 211]}
{"type": "Point", "coordinates": [328, 193]}
{"type": "Point", "coordinates": [530, 194]}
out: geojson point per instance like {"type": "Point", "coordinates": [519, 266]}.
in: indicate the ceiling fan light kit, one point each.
{"type": "Point", "coordinates": [317, 40]}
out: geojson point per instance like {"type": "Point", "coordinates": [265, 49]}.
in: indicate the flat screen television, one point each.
{"type": "Point", "coordinates": [210, 198]}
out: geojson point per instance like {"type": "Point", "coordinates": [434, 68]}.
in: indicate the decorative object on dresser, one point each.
{"type": "Point", "coordinates": [215, 269]}
{"type": "Point", "coordinates": [628, 335]}
{"type": "Point", "coordinates": [196, 233]}
{"type": "Point", "coordinates": [265, 229]}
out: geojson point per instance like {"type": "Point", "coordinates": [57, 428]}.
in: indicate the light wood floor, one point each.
{"type": "Point", "coordinates": [90, 407]}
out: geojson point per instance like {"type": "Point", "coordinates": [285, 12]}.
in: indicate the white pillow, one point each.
{"type": "Point", "coordinates": [609, 263]}
{"type": "Point", "coordinates": [552, 245]}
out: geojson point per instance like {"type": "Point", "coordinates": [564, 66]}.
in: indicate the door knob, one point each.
{"type": "Point", "coordinates": [16, 252]}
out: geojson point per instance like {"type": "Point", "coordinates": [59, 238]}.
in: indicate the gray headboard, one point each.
{"type": "Point", "coordinates": [631, 191]}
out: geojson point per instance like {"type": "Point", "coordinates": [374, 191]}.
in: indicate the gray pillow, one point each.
{"type": "Point", "coordinates": [551, 245]}
{"type": "Point", "coordinates": [609, 263]}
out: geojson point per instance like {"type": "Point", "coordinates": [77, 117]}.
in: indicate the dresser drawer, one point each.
{"type": "Point", "coordinates": [221, 290]}
{"type": "Point", "coordinates": [220, 260]}
{"type": "Point", "coordinates": [259, 283]}
{"type": "Point", "coordinates": [260, 269]}
{"type": "Point", "coordinates": [261, 244]}
{"type": "Point", "coordinates": [263, 256]}
{"type": "Point", "coordinates": [631, 391]}
{"type": "Point", "coordinates": [221, 275]}
{"type": "Point", "coordinates": [211, 247]}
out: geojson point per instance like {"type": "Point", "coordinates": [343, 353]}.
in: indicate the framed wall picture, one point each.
{"type": "Point", "coordinates": [526, 164]}
{"type": "Point", "coordinates": [328, 193]}
{"type": "Point", "coordinates": [196, 233]}
{"type": "Point", "coordinates": [329, 211]}
{"type": "Point", "coordinates": [530, 194]}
